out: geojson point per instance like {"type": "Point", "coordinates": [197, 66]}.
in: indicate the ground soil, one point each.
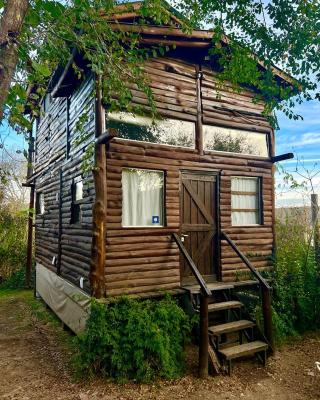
{"type": "Point", "coordinates": [34, 364]}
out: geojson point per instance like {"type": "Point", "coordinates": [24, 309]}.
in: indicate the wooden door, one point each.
{"type": "Point", "coordinates": [198, 222]}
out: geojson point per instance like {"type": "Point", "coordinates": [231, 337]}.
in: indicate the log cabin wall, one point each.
{"type": "Point", "coordinates": [61, 246]}
{"type": "Point", "coordinates": [144, 260]}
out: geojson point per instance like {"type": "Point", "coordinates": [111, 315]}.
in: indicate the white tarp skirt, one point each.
{"type": "Point", "coordinates": [70, 303]}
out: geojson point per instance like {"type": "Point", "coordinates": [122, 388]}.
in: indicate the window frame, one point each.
{"type": "Point", "coordinates": [75, 208]}
{"type": "Point", "coordinates": [243, 155]}
{"type": "Point", "coordinates": [38, 203]}
{"type": "Point", "coordinates": [185, 148]}
{"type": "Point", "coordinates": [164, 213]}
{"type": "Point", "coordinates": [259, 195]}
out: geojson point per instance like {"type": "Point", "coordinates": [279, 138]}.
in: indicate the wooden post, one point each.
{"type": "Point", "coordinates": [315, 225]}
{"type": "Point", "coordinates": [204, 337]}
{"type": "Point", "coordinates": [199, 128]}
{"type": "Point", "coordinates": [30, 238]}
{"type": "Point", "coordinates": [267, 316]}
{"type": "Point", "coordinates": [60, 225]}
{"type": "Point", "coordinates": [30, 213]}
{"type": "Point", "coordinates": [98, 254]}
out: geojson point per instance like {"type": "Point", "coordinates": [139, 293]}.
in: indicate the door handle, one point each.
{"type": "Point", "coordinates": [183, 236]}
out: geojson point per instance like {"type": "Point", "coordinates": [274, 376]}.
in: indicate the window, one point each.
{"type": "Point", "coordinates": [245, 201]}
{"type": "Point", "coordinates": [77, 196]}
{"type": "Point", "coordinates": [40, 203]}
{"type": "Point", "coordinates": [142, 197]}
{"type": "Point", "coordinates": [167, 131]}
{"type": "Point", "coordinates": [235, 141]}
{"type": "Point", "coordinates": [46, 102]}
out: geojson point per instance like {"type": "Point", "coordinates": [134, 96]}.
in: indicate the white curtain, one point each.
{"type": "Point", "coordinates": [142, 198]}
{"type": "Point", "coordinates": [244, 201]}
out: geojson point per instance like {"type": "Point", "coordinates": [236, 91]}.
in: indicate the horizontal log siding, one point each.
{"type": "Point", "coordinates": [50, 157]}
{"type": "Point", "coordinates": [145, 260]}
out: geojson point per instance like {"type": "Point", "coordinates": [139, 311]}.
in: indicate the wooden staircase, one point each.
{"type": "Point", "coordinates": [227, 331]}
{"type": "Point", "coordinates": [232, 332]}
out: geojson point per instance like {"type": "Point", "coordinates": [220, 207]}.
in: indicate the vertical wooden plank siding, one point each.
{"type": "Point", "coordinates": [51, 145]}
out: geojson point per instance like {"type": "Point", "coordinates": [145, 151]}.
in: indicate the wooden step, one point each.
{"type": "Point", "coordinates": [245, 349]}
{"type": "Point", "coordinates": [230, 327]}
{"type": "Point", "coordinates": [225, 305]}
{"type": "Point", "coordinates": [214, 287]}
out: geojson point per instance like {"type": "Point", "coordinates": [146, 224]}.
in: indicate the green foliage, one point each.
{"type": "Point", "coordinates": [296, 281]}
{"type": "Point", "coordinates": [130, 339]}
{"type": "Point", "coordinates": [13, 247]}
{"type": "Point", "coordinates": [278, 33]}
{"type": "Point", "coordinates": [15, 281]}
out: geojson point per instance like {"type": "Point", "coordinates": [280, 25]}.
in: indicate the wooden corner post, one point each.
{"type": "Point", "coordinates": [315, 225]}
{"type": "Point", "coordinates": [204, 337]}
{"type": "Point", "coordinates": [98, 250]}
{"type": "Point", "coordinates": [30, 213]}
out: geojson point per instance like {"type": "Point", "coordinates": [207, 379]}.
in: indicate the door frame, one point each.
{"type": "Point", "coordinates": [217, 174]}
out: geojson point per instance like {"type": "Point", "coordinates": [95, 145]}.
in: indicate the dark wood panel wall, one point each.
{"type": "Point", "coordinates": [144, 260]}
{"type": "Point", "coordinates": [58, 151]}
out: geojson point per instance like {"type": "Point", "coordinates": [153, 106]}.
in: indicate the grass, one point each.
{"type": "Point", "coordinates": [37, 313]}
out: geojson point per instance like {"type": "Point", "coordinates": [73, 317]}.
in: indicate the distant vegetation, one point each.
{"type": "Point", "coordinates": [13, 219]}
{"type": "Point", "coordinates": [296, 298]}
{"type": "Point", "coordinates": [13, 248]}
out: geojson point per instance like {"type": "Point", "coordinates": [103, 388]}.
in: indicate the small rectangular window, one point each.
{"type": "Point", "coordinates": [245, 201]}
{"type": "Point", "coordinates": [142, 198]}
{"type": "Point", "coordinates": [235, 141]}
{"type": "Point", "coordinates": [40, 203]}
{"type": "Point", "coordinates": [77, 196]}
{"type": "Point", "coordinates": [167, 131]}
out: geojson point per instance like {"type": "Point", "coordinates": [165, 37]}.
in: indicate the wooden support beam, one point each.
{"type": "Point", "coordinates": [98, 249]}
{"type": "Point", "coordinates": [30, 213]}
{"type": "Point", "coordinates": [204, 337]}
{"type": "Point", "coordinates": [60, 225]}
{"type": "Point", "coordinates": [199, 127]}
{"type": "Point", "coordinates": [282, 157]}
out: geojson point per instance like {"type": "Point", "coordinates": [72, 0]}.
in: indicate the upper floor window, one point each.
{"type": "Point", "coordinates": [40, 203]}
{"type": "Point", "coordinates": [245, 201]}
{"type": "Point", "coordinates": [167, 131]}
{"type": "Point", "coordinates": [142, 198]}
{"type": "Point", "coordinates": [235, 141]}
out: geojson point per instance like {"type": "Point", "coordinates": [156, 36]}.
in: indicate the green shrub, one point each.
{"type": "Point", "coordinates": [296, 281]}
{"type": "Point", "coordinates": [136, 340]}
{"type": "Point", "coordinates": [14, 281]}
{"type": "Point", "coordinates": [13, 245]}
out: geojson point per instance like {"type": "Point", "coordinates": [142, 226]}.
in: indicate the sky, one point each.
{"type": "Point", "coordinates": [301, 137]}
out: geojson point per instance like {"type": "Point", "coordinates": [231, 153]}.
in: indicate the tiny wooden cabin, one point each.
{"type": "Point", "coordinates": [188, 202]}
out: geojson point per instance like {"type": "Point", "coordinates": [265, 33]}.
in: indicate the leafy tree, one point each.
{"type": "Point", "coordinates": [285, 33]}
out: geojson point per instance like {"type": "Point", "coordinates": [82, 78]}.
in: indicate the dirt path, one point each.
{"type": "Point", "coordinates": [34, 365]}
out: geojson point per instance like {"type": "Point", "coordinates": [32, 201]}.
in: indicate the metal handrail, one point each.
{"type": "Point", "coordinates": [205, 290]}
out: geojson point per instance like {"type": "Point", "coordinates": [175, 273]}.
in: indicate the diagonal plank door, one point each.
{"type": "Point", "coordinates": [198, 221]}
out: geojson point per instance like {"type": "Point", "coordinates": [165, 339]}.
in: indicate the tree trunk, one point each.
{"type": "Point", "coordinates": [10, 28]}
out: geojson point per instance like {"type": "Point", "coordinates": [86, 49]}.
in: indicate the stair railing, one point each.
{"type": "Point", "coordinates": [265, 290]}
{"type": "Point", "coordinates": [205, 293]}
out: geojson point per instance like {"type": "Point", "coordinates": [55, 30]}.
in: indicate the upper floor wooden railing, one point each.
{"type": "Point", "coordinates": [265, 290]}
